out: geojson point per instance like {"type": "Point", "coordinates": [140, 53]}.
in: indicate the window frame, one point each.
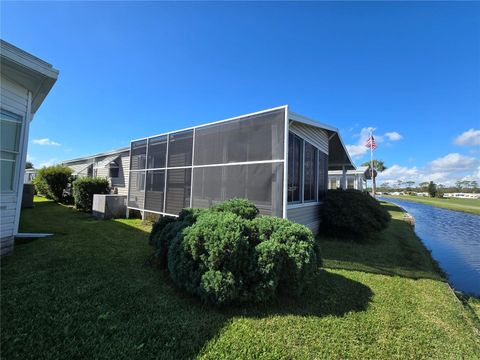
{"type": "Point", "coordinates": [301, 160]}
{"type": "Point", "coordinates": [19, 119]}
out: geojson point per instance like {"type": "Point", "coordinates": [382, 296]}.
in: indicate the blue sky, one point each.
{"type": "Point", "coordinates": [129, 70]}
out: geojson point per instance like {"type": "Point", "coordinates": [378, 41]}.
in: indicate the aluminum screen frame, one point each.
{"type": "Point", "coordinates": [279, 143]}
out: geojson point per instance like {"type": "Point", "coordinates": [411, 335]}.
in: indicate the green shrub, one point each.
{"type": "Point", "coordinates": [227, 257]}
{"type": "Point", "coordinates": [84, 188]}
{"type": "Point", "coordinates": [352, 214]}
{"type": "Point", "coordinates": [53, 182]}
{"type": "Point", "coordinates": [242, 207]}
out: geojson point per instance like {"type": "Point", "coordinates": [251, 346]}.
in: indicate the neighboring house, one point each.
{"type": "Point", "coordinates": [276, 158]}
{"type": "Point", "coordinates": [112, 165]}
{"type": "Point", "coordinates": [30, 175]}
{"type": "Point", "coordinates": [353, 179]}
{"type": "Point", "coordinates": [25, 82]}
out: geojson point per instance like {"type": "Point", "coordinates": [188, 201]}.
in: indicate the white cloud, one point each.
{"type": "Point", "coordinates": [46, 141]}
{"type": "Point", "coordinates": [393, 136]}
{"type": "Point", "coordinates": [359, 149]}
{"type": "Point", "coordinates": [444, 170]}
{"type": "Point", "coordinates": [30, 158]}
{"type": "Point", "coordinates": [454, 162]}
{"type": "Point", "coordinates": [468, 138]}
{"type": "Point", "coordinates": [47, 163]}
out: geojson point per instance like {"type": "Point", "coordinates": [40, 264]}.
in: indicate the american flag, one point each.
{"type": "Point", "coordinates": [371, 143]}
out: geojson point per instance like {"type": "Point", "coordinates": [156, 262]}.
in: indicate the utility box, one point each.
{"type": "Point", "coordinates": [27, 197]}
{"type": "Point", "coordinates": [109, 206]}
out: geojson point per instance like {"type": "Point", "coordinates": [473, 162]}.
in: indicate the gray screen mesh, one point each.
{"type": "Point", "coordinates": [155, 190]}
{"type": "Point", "coordinates": [138, 153]}
{"type": "Point", "coordinates": [322, 175]}
{"type": "Point", "coordinates": [253, 138]}
{"type": "Point", "coordinates": [178, 190]}
{"type": "Point", "coordinates": [157, 152]}
{"type": "Point", "coordinates": [136, 189]}
{"type": "Point", "coordinates": [180, 149]}
{"type": "Point", "coordinates": [260, 183]}
{"type": "Point", "coordinates": [310, 173]}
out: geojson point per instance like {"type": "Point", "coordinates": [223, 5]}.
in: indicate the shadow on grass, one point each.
{"type": "Point", "coordinates": [85, 293]}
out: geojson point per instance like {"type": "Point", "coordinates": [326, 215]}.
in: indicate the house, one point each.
{"type": "Point", "coordinates": [25, 82]}
{"type": "Point", "coordinates": [276, 158]}
{"type": "Point", "coordinates": [112, 165]}
{"type": "Point", "coordinates": [354, 179]}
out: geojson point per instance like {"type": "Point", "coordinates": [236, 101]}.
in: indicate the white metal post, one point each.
{"type": "Point", "coordinates": [285, 164]}
{"type": "Point", "coordinates": [191, 175]}
{"type": "Point", "coordinates": [166, 173]}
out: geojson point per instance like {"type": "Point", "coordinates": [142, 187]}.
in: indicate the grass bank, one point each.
{"type": "Point", "coordinates": [85, 293]}
{"type": "Point", "coordinates": [471, 206]}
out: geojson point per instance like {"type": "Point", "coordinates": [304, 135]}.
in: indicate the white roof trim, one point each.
{"type": "Point", "coordinates": [106, 153]}
{"type": "Point", "coordinates": [82, 169]}
{"type": "Point", "coordinates": [105, 162]}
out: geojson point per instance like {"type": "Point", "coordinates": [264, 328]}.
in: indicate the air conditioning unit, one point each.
{"type": "Point", "coordinates": [109, 206]}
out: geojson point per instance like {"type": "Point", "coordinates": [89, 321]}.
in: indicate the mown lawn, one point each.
{"type": "Point", "coordinates": [86, 293]}
{"type": "Point", "coordinates": [471, 206]}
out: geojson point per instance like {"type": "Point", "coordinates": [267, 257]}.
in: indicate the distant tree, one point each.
{"type": "Point", "coordinates": [28, 165]}
{"type": "Point", "coordinates": [474, 185]}
{"type": "Point", "coordinates": [432, 189]}
{"type": "Point", "coordinates": [378, 165]}
{"type": "Point", "coordinates": [399, 184]}
{"type": "Point", "coordinates": [423, 186]}
{"type": "Point", "coordinates": [409, 184]}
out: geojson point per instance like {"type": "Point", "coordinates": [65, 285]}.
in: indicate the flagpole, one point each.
{"type": "Point", "coordinates": [371, 163]}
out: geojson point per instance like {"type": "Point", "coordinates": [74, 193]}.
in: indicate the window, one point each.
{"type": "Point", "coordinates": [260, 183]}
{"type": "Point", "coordinates": [10, 130]}
{"type": "Point", "coordinates": [155, 190]}
{"type": "Point", "coordinates": [322, 175]}
{"type": "Point", "coordinates": [157, 152]}
{"type": "Point", "coordinates": [113, 171]}
{"type": "Point", "coordinates": [351, 182]}
{"type": "Point", "coordinates": [294, 167]}
{"type": "Point", "coordinates": [180, 149]}
{"type": "Point", "coordinates": [310, 173]}
{"type": "Point", "coordinates": [137, 189]}
{"type": "Point", "coordinates": [254, 138]}
{"type": "Point", "coordinates": [178, 190]}
{"type": "Point", "coordinates": [138, 154]}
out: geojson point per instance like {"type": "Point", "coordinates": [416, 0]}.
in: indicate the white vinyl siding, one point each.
{"type": "Point", "coordinates": [315, 136]}
{"type": "Point", "coordinates": [14, 99]}
{"type": "Point", "coordinates": [308, 215]}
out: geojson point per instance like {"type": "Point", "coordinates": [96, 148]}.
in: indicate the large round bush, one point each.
{"type": "Point", "coordinates": [84, 188]}
{"type": "Point", "coordinates": [352, 214]}
{"type": "Point", "coordinates": [53, 181]}
{"type": "Point", "coordinates": [225, 256]}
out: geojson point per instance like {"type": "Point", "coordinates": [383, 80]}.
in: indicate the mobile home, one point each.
{"type": "Point", "coordinates": [276, 158]}
{"type": "Point", "coordinates": [25, 82]}
{"type": "Point", "coordinates": [113, 165]}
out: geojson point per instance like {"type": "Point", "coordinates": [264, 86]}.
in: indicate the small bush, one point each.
{"type": "Point", "coordinates": [352, 214]}
{"type": "Point", "coordinates": [84, 188]}
{"type": "Point", "coordinates": [227, 255]}
{"type": "Point", "coordinates": [242, 207]}
{"type": "Point", "coordinates": [53, 182]}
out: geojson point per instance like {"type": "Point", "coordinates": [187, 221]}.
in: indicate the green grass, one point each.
{"type": "Point", "coordinates": [85, 293]}
{"type": "Point", "coordinates": [471, 206]}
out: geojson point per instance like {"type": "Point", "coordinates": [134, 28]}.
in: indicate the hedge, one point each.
{"type": "Point", "coordinates": [84, 188]}
{"type": "Point", "coordinates": [352, 214]}
{"type": "Point", "coordinates": [53, 182]}
{"type": "Point", "coordinates": [226, 254]}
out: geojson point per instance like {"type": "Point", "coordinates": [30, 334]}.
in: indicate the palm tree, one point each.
{"type": "Point", "coordinates": [378, 165]}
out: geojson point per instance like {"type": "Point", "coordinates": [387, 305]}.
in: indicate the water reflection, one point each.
{"type": "Point", "coordinates": [454, 240]}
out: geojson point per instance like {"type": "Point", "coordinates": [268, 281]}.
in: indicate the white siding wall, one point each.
{"type": "Point", "coordinates": [121, 183]}
{"type": "Point", "coordinates": [13, 98]}
{"type": "Point", "coordinates": [308, 215]}
{"type": "Point", "coordinates": [315, 136]}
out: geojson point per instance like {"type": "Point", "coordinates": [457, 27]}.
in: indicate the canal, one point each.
{"type": "Point", "coordinates": [453, 238]}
